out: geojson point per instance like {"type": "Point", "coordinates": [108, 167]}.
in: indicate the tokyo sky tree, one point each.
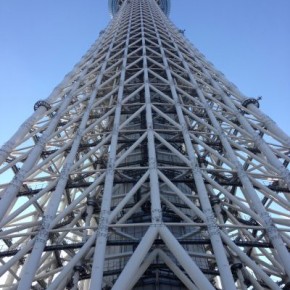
{"type": "Point", "coordinates": [145, 169]}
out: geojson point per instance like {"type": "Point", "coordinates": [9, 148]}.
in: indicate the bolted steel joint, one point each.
{"type": "Point", "coordinates": [202, 160]}
{"type": "Point", "coordinates": [92, 202]}
{"type": "Point", "coordinates": [237, 266]}
{"type": "Point", "coordinates": [42, 103]}
{"type": "Point", "coordinates": [79, 268]}
{"type": "Point", "coordinates": [214, 200]}
{"type": "Point", "coordinates": [253, 101]}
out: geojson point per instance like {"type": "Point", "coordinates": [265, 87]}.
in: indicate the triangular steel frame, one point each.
{"type": "Point", "coordinates": [145, 166]}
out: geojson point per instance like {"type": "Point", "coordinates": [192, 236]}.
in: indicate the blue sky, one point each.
{"type": "Point", "coordinates": [248, 40]}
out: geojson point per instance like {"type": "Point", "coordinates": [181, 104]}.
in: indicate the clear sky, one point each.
{"type": "Point", "coordinates": [248, 40]}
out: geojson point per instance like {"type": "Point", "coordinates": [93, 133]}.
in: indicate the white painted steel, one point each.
{"type": "Point", "coordinates": [222, 261]}
{"type": "Point", "coordinates": [145, 162]}
{"type": "Point", "coordinates": [191, 268]}
{"type": "Point", "coordinates": [100, 248]}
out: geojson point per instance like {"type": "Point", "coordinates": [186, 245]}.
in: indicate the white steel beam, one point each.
{"type": "Point", "coordinates": [99, 255]}
{"type": "Point", "coordinates": [145, 167]}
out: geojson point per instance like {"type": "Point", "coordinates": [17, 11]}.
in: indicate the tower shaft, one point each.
{"type": "Point", "coordinates": [145, 169]}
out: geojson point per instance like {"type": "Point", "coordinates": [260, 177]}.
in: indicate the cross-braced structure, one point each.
{"type": "Point", "coordinates": [145, 169]}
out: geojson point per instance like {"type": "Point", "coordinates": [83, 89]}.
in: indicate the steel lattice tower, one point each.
{"type": "Point", "coordinates": [145, 169]}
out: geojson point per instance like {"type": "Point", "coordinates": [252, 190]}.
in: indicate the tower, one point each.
{"type": "Point", "coordinates": [145, 169]}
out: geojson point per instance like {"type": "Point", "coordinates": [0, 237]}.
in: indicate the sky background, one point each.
{"type": "Point", "coordinates": [40, 41]}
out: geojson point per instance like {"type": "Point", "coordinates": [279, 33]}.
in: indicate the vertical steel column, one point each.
{"type": "Point", "coordinates": [11, 191]}
{"type": "Point", "coordinates": [259, 142]}
{"type": "Point", "coordinates": [132, 266]}
{"type": "Point", "coordinates": [156, 212]}
{"type": "Point", "coordinates": [220, 254]}
{"type": "Point", "coordinates": [102, 232]}
{"type": "Point", "coordinates": [6, 149]}
{"type": "Point", "coordinates": [249, 190]}
{"type": "Point", "coordinates": [264, 118]}
{"type": "Point", "coordinates": [30, 267]}
{"type": "Point", "coordinates": [144, 118]}
{"type": "Point", "coordinates": [31, 264]}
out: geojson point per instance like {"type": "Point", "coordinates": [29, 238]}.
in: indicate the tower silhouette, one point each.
{"type": "Point", "coordinates": [145, 169]}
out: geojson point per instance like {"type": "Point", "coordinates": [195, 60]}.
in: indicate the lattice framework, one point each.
{"type": "Point", "coordinates": [145, 162]}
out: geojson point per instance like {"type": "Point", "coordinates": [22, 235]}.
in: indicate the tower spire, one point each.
{"type": "Point", "coordinates": [145, 169]}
